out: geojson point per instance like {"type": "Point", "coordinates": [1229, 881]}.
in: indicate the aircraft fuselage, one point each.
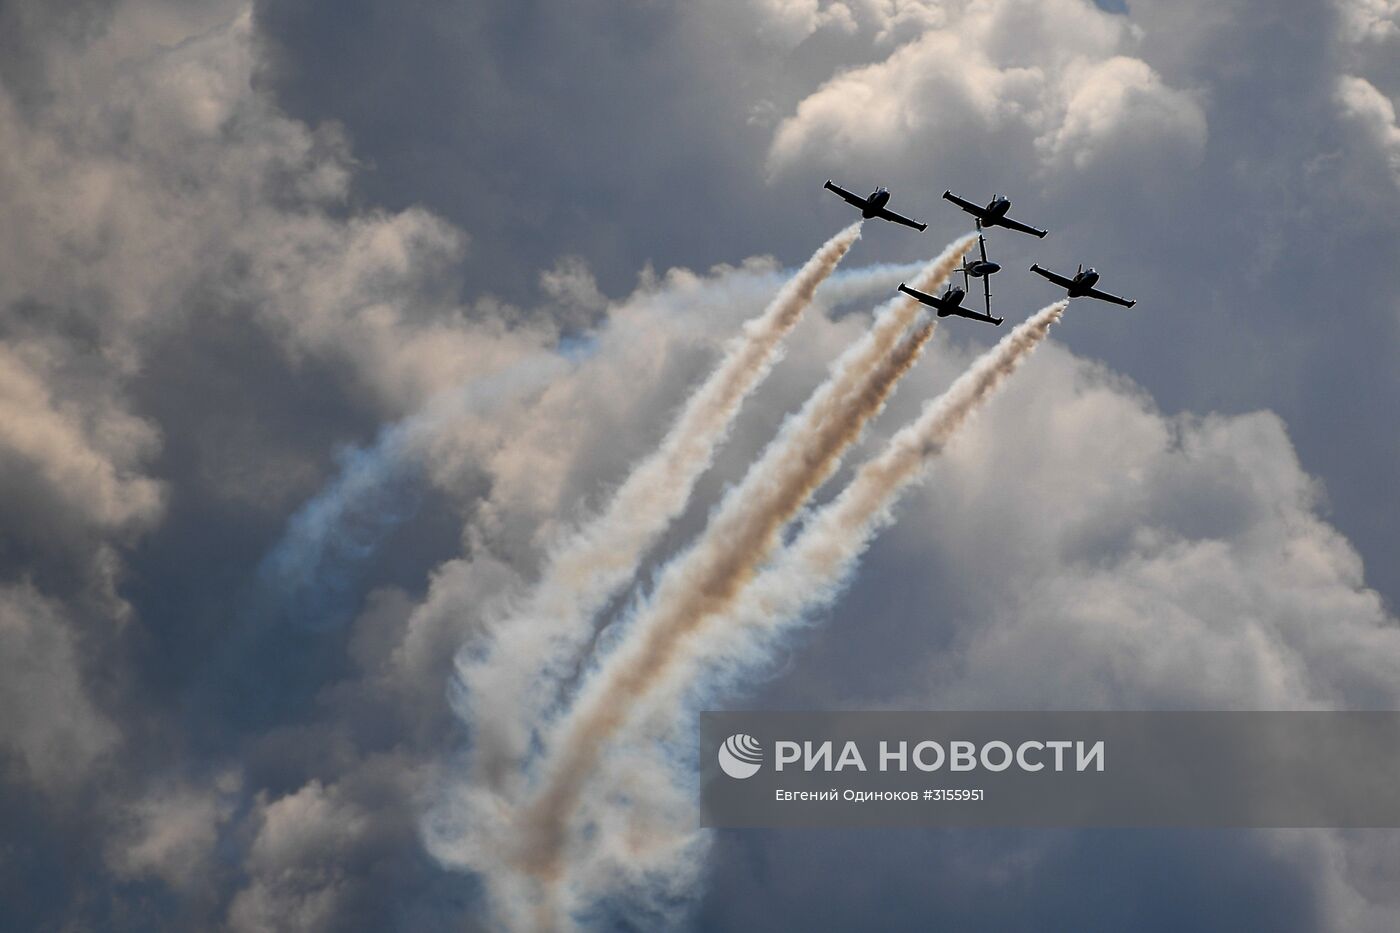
{"type": "Point", "coordinates": [878, 199]}
{"type": "Point", "coordinates": [982, 267]}
{"type": "Point", "coordinates": [1083, 281]}
{"type": "Point", "coordinates": [953, 296]}
{"type": "Point", "coordinates": [997, 208]}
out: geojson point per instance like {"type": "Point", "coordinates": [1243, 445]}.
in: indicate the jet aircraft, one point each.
{"type": "Point", "coordinates": [874, 205]}
{"type": "Point", "coordinates": [950, 302]}
{"type": "Point", "coordinates": [1082, 285]}
{"type": "Point", "coordinates": [994, 214]}
{"type": "Point", "coordinates": [982, 269]}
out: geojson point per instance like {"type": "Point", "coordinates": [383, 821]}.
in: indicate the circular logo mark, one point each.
{"type": "Point", "coordinates": [740, 756]}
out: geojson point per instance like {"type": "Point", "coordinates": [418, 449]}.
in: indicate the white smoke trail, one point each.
{"type": "Point", "coordinates": [716, 573]}
{"type": "Point", "coordinates": [308, 577]}
{"type": "Point", "coordinates": [858, 284]}
{"type": "Point", "coordinates": [507, 680]}
{"type": "Point", "coordinates": [810, 571]}
{"type": "Point", "coordinates": [806, 574]}
{"type": "Point", "coordinates": [706, 579]}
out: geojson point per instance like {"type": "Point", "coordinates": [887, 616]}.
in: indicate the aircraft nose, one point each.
{"type": "Point", "coordinates": [992, 268]}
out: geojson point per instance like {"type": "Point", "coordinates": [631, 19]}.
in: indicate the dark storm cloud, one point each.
{"type": "Point", "coordinates": [168, 401]}
{"type": "Point", "coordinates": [623, 133]}
{"type": "Point", "coordinates": [539, 146]}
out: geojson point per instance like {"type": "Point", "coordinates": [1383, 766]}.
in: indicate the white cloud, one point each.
{"type": "Point", "coordinates": [78, 461]}
{"type": "Point", "coordinates": [1141, 561]}
{"type": "Point", "coordinates": [1119, 109]}
{"type": "Point", "coordinates": [1374, 113]}
{"type": "Point", "coordinates": [162, 184]}
{"type": "Point", "coordinates": [1054, 73]}
{"type": "Point", "coordinates": [930, 86]}
{"type": "Point", "coordinates": [789, 22]}
{"type": "Point", "coordinates": [297, 875]}
{"type": "Point", "coordinates": [51, 724]}
{"type": "Point", "coordinates": [171, 833]}
{"type": "Point", "coordinates": [1366, 21]}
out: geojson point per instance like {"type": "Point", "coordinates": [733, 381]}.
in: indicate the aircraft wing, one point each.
{"type": "Point", "coordinates": [1105, 296]}
{"type": "Point", "coordinates": [982, 245]}
{"type": "Point", "coordinates": [891, 215]}
{"type": "Point", "coordinates": [855, 199]}
{"type": "Point", "coordinates": [974, 315]}
{"type": "Point", "coordinates": [987, 284]}
{"type": "Point", "coordinates": [944, 308]}
{"type": "Point", "coordinates": [926, 298]}
{"type": "Point", "coordinates": [1017, 225]}
{"type": "Point", "coordinates": [1059, 280]}
{"type": "Point", "coordinates": [968, 206]}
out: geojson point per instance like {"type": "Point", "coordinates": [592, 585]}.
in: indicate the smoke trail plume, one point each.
{"type": "Point", "coordinates": [309, 578]}
{"type": "Point", "coordinates": [544, 636]}
{"type": "Point", "coordinates": [313, 575]}
{"type": "Point", "coordinates": [709, 577]}
{"type": "Point", "coordinates": [811, 570]}
{"type": "Point", "coordinates": [655, 674]}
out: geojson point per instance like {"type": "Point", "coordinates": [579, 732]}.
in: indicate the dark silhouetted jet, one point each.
{"type": "Point", "coordinates": [982, 269]}
{"type": "Point", "coordinates": [874, 206]}
{"type": "Point", "coordinates": [994, 214]}
{"type": "Point", "coordinates": [950, 302]}
{"type": "Point", "coordinates": [1082, 285]}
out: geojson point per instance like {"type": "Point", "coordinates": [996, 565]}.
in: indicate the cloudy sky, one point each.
{"type": "Point", "coordinates": [321, 321]}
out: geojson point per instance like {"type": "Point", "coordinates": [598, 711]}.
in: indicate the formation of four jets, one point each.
{"type": "Point", "coordinates": [994, 214]}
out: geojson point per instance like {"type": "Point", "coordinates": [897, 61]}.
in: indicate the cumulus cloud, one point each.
{"type": "Point", "coordinates": [1369, 20]}
{"type": "Point", "coordinates": [893, 19]}
{"type": "Point", "coordinates": [125, 188]}
{"type": "Point", "coordinates": [51, 726]}
{"type": "Point", "coordinates": [171, 833]}
{"type": "Point", "coordinates": [1374, 114]}
{"type": "Point", "coordinates": [922, 88]}
{"type": "Point", "coordinates": [1191, 571]}
{"type": "Point", "coordinates": [1120, 109]}
{"type": "Point", "coordinates": [788, 22]}
{"type": "Point", "coordinates": [72, 466]}
{"type": "Point", "coordinates": [295, 862]}
{"type": "Point", "coordinates": [152, 196]}
{"type": "Point", "coordinates": [1056, 73]}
